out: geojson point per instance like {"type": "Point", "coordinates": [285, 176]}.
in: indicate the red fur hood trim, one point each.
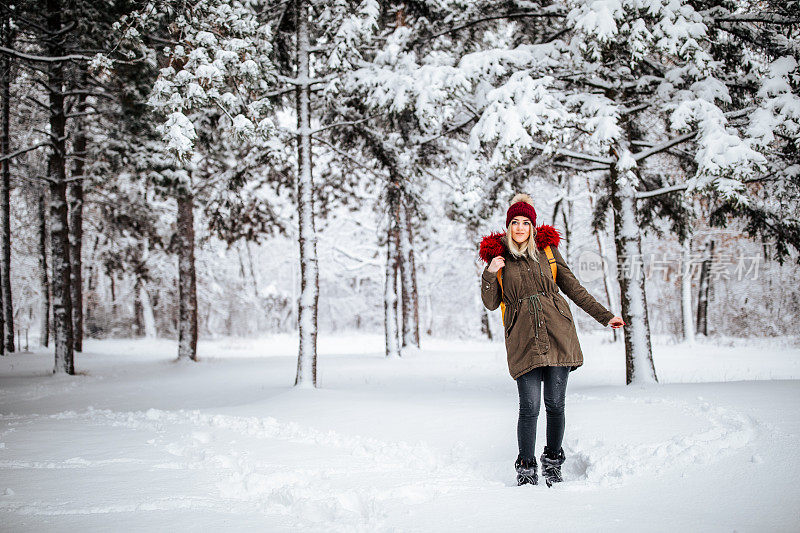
{"type": "Point", "coordinates": [492, 245]}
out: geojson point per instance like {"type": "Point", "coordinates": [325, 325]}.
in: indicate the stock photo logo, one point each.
{"type": "Point", "coordinates": [590, 265]}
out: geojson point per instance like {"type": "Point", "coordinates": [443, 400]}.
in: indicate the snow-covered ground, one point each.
{"type": "Point", "coordinates": [426, 443]}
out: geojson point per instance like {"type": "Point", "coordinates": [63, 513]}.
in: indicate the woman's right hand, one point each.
{"type": "Point", "coordinates": [496, 264]}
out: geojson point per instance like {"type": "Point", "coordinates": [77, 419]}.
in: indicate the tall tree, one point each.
{"type": "Point", "coordinates": [76, 198]}
{"type": "Point", "coordinates": [687, 322]}
{"type": "Point", "coordinates": [309, 270]}
{"type": "Point", "coordinates": [390, 300]}
{"type": "Point", "coordinates": [44, 281]}
{"type": "Point", "coordinates": [704, 288]}
{"type": "Point", "coordinates": [409, 273]}
{"type": "Point", "coordinates": [5, 188]}
{"type": "Point", "coordinates": [187, 279]}
{"type": "Point", "coordinates": [57, 175]}
{"type": "Point", "coordinates": [345, 27]}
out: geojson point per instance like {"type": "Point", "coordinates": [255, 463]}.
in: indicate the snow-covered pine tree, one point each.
{"type": "Point", "coordinates": [412, 83]}
{"type": "Point", "coordinates": [54, 61]}
{"type": "Point", "coordinates": [309, 265]}
{"type": "Point", "coordinates": [326, 39]}
{"type": "Point", "coordinates": [94, 106]}
{"type": "Point", "coordinates": [123, 174]}
{"type": "Point", "coordinates": [212, 96]}
{"type": "Point", "coordinates": [588, 96]}
{"type": "Point", "coordinates": [326, 51]}
{"type": "Point", "coordinates": [90, 103]}
{"type": "Point", "coordinates": [758, 44]}
{"type": "Point", "coordinates": [282, 53]}
{"type": "Point", "coordinates": [395, 110]}
{"type": "Point", "coordinates": [50, 51]}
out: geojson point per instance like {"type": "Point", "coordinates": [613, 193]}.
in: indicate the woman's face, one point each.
{"type": "Point", "coordinates": [520, 229]}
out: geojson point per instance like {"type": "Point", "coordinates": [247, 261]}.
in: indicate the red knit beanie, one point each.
{"type": "Point", "coordinates": [521, 205]}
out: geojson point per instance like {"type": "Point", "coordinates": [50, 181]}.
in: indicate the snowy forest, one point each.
{"type": "Point", "coordinates": [268, 176]}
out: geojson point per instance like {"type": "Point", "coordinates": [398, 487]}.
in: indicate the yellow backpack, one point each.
{"type": "Point", "coordinates": [553, 267]}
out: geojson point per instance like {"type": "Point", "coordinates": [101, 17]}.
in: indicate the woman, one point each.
{"type": "Point", "coordinates": [541, 341]}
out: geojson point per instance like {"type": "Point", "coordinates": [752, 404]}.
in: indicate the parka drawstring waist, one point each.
{"type": "Point", "coordinates": [535, 308]}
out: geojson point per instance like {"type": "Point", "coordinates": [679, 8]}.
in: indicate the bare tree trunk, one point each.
{"type": "Point", "coordinates": [5, 193]}
{"type": "Point", "coordinates": [390, 299]}
{"type": "Point", "coordinates": [112, 285]}
{"type": "Point", "coordinates": [148, 315]}
{"type": "Point", "coordinates": [638, 351]}
{"type": "Point", "coordinates": [44, 331]}
{"type": "Point", "coordinates": [702, 296]}
{"type": "Point", "coordinates": [556, 210]}
{"type": "Point", "coordinates": [390, 288]}
{"type": "Point", "coordinates": [76, 247]}
{"type": "Point", "coordinates": [57, 173]}
{"type": "Point", "coordinates": [686, 293]}
{"type": "Point", "coordinates": [309, 268]}
{"type": "Point", "coordinates": [566, 216]}
{"type": "Point", "coordinates": [76, 228]}
{"type": "Point", "coordinates": [404, 261]}
{"type": "Point", "coordinates": [59, 244]}
{"type": "Point", "coordinates": [403, 300]}
{"type": "Point", "coordinates": [414, 291]}
{"type": "Point", "coordinates": [138, 318]}
{"type": "Point", "coordinates": [485, 329]}
{"type": "Point", "coordinates": [485, 318]}
{"type": "Point", "coordinates": [187, 281]}
{"type": "Point", "coordinates": [89, 282]}
{"type": "Point", "coordinates": [2, 323]}
{"type": "Point", "coordinates": [252, 269]}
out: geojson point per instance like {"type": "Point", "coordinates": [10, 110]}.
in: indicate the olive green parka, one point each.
{"type": "Point", "coordinates": [538, 323]}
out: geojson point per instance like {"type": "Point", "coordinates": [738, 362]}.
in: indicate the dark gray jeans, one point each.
{"type": "Point", "coordinates": [529, 385]}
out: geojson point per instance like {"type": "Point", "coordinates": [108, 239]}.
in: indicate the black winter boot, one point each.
{"type": "Point", "coordinates": [551, 465]}
{"type": "Point", "coordinates": [526, 471]}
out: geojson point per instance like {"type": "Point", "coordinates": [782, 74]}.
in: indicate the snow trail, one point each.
{"type": "Point", "coordinates": [611, 464]}
{"type": "Point", "coordinates": [249, 470]}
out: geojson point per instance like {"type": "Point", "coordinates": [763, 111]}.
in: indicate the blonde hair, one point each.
{"type": "Point", "coordinates": [527, 248]}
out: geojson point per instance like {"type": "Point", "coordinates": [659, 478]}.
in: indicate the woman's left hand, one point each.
{"type": "Point", "coordinates": [616, 322]}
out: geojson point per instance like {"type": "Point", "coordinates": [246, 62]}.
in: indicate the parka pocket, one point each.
{"type": "Point", "coordinates": [558, 306]}
{"type": "Point", "coordinates": [512, 311]}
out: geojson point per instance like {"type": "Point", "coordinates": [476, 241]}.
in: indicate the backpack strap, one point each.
{"type": "Point", "coordinates": [502, 303]}
{"type": "Point", "coordinates": [552, 260]}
